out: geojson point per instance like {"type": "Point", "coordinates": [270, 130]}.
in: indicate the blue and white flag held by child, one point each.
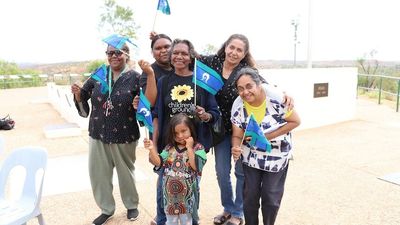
{"type": "Point", "coordinates": [143, 112]}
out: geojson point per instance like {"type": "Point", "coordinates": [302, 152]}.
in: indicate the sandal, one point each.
{"type": "Point", "coordinates": [221, 219]}
{"type": "Point", "coordinates": [230, 222]}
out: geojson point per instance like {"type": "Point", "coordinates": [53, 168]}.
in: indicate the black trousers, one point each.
{"type": "Point", "coordinates": [269, 187]}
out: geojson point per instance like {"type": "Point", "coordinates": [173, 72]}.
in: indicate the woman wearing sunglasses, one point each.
{"type": "Point", "coordinates": [113, 129]}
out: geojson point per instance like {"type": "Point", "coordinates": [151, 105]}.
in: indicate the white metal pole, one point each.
{"type": "Point", "coordinates": [309, 41]}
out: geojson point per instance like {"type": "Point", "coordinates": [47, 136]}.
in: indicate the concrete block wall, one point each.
{"type": "Point", "coordinates": [338, 106]}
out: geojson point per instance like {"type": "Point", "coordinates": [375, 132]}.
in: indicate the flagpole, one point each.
{"type": "Point", "coordinates": [195, 81]}
{"type": "Point", "coordinates": [155, 17]}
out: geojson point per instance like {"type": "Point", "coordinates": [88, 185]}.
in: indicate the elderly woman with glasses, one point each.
{"type": "Point", "coordinates": [113, 128]}
{"type": "Point", "coordinates": [264, 165]}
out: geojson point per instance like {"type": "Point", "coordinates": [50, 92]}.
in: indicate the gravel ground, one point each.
{"type": "Point", "coordinates": [332, 179]}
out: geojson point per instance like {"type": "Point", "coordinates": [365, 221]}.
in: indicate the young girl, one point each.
{"type": "Point", "coordinates": [183, 159]}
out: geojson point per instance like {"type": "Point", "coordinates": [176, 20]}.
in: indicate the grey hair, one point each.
{"type": "Point", "coordinates": [253, 73]}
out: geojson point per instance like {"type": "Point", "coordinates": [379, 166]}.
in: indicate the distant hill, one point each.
{"type": "Point", "coordinates": [276, 64]}
{"type": "Point", "coordinates": [61, 68]}
{"type": "Point", "coordinates": [81, 67]}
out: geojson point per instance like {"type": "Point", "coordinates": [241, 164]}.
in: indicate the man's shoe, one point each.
{"type": "Point", "coordinates": [102, 219]}
{"type": "Point", "coordinates": [132, 214]}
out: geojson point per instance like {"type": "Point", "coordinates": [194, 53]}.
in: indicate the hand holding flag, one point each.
{"type": "Point", "coordinates": [143, 112]}
{"type": "Point", "coordinates": [258, 139]}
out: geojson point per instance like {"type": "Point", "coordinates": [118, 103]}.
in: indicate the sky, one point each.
{"type": "Point", "coordinates": [51, 31]}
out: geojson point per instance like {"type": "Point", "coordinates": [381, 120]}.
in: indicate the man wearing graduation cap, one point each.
{"type": "Point", "coordinates": [113, 129]}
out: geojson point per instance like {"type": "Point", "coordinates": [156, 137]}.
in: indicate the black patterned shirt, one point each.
{"type": "Point", "coordinates": [120, 126]}
{"type": "Point", "coordinates": [227, 95]}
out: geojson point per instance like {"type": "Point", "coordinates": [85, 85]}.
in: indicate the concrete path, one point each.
{"type": "Point", "coordinates": [333, 179]}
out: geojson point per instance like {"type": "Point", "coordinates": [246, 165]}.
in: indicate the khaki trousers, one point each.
{"type": "Point", "coordinates": [102, 160]}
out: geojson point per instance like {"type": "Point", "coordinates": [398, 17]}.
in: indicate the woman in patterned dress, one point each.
{"type": "Point", "coordinates": [264, 171]}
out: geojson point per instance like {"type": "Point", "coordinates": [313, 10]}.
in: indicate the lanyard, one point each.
{"type": "Point", "coordinates": [108, 104]}
{"type": "Point", "coordinates": [110, 80]}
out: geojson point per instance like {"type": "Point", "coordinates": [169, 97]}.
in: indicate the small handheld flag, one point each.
{"type": "Point", "coordinates": [258, 139]}
{"type": "Point", "coordinates": [207, 78]}
{"type": "Point", "coordinates": [143, 112]}
{"type": "Point", "coordinates": [163, 6]}
{"type": "Point", "coordinates": [101, 76]}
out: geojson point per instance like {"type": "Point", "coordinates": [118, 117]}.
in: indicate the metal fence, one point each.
{"type": "Point", "coordinates": [375, 83]}
{"type": "Point", "coordinates": [20, 81]}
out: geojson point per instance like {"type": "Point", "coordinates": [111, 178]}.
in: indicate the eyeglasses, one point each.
{"type": "Point", "coordinates": [117, 53]}
{"type": "Point", "coordinates": [246, 87]}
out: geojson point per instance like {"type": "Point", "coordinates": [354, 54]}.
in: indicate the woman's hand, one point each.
{"type": "Point", "coordinates": [202, 114]}
{"type": "Point", "coordinates": [76, 90]}
{"type": "Point", "coordinates": [146, 67]}
{"type": "Point", "coordinates": [135, 102]}
{"type": "Point", "coordinates": [236, 152]}
{"type": "Point", "coordinates": [288, 101]}
{"type": "Point", "coordinates": [153, 34]}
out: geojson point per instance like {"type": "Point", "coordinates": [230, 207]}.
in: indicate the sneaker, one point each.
{"type": "Point", "coordinates": [132, 214]}
{"type": "Point", "coordinates": [102, 219]}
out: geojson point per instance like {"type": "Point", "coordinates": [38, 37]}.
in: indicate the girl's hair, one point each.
{"type": "Point", "coordinates": [248, 58]}
{"type": "Point", "coordinates": [176, 120]}
{"type": "Point", "coordinates": [193, 54]}
{"type": "Point", "coordinates": [253, 73]}
{"type": "Point", "coordinates": [158, 37]}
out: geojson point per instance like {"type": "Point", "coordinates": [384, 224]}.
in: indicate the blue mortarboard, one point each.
{"type": "Point", "coordinates": [117, 41]}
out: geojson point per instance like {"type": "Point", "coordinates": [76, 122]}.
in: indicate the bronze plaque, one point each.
{"type": "Point", "coordinates": [320, 90]}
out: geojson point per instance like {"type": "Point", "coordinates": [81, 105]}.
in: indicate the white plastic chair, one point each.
{"type": "Point", "coordinates": [17, 212]}
{"type": "Point", "coordinates": [1, 144]}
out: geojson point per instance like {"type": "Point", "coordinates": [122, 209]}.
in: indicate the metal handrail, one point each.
{"type": "Point", "coordinates": [380, 90]}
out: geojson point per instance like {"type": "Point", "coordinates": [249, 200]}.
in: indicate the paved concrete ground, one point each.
{"type": "Point", "coordinates": [332, 180]}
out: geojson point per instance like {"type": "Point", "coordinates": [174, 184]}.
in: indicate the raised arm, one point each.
{"type": "Point", "coordinates": [151, 87]}
{"type": "Point", "coordinates": [154, 158]}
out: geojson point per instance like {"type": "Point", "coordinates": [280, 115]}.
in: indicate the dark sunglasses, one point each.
{"type": "Point", "coordinates": [117, 53]}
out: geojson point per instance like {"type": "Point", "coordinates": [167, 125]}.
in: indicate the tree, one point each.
{"type": "Point", "coordinates": [9, 68]}
{"type": "Point", "coordinates": [368, 64]}
{"type": "Point", "coordinates": [93, 65]}
{"type": "Point", "coordinates": [295, 23]}
{"type": "Point", "coordinates": [209, 49]}
{"type": "Point", "coordinates": [117, 19]}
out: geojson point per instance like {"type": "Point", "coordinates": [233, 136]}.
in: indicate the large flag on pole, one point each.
{"type": "Point", "coordinates": [101, 76]}
{"type": "Point", "coordinates": [258, 139]}
{"type": "Point", "coordinates": [163, 6]}
{"type": "Point", "coordinates": [143, 112]}
{"type": "Point", "coordinates": [207, 78]}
